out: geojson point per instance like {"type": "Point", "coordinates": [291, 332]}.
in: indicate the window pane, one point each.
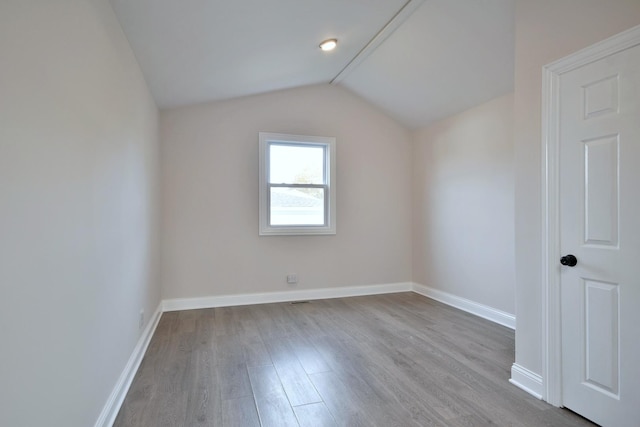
{"type": "Point", "coordinates": [297, 206]}
{"type": "Point", "coordinates": [290, 164]}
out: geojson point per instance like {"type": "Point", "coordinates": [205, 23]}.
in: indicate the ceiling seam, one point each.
{"type": "Point", "coordinates": [393, 24]}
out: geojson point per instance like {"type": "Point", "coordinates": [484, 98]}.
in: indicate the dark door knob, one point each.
{"type": "Point", "coordinates": [569, 260]}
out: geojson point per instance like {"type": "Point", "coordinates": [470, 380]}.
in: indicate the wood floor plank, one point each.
{"type": "Point", "coordinates": [344, 407]}
{"type": "Point", "coordinates": [273, 406]}
{"type": "Point", "coordinates": [273, 321]}
{"type": "Point", "coordinates": [203, 392]}
{"type": "Point", "coordinates": [231, 369]}
{"type": "Point", "coordinates": [240, 412]}
{"type": "Point", "coordinates": [187, 321]}
{"type": "Point", "coordinates": [389, 360]}
{"type": "Point", "coordinates": [383, 383]}
{"type": "Point", "coordinates": [314, 415]}
{"type": "Point", "coordinates": [172, 388]}
{"type": "Point", "coordinates": [225, 321]}
{"type": "Point", "coordinates": [308, 355]}
{"type": "Point", "coordinates": [255, 352]}
{"type": "Point", "coordinates": [292, 375]}
{"type": "Point", "coordinates": [352, 402]}
{"type": "Point", "coordinates": [233, 380]}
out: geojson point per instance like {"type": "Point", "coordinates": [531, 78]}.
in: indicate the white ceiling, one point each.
{"type": "Point", "coordinates": [447, 56]}
{"type": "Point", "coordinates": [450, 55]}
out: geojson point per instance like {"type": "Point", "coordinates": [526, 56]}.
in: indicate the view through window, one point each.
{"type": "Point", "coordinates": [296, 184]}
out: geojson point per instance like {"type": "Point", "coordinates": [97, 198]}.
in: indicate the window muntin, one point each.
{"type": "Point", "coordinates": [297, 184]}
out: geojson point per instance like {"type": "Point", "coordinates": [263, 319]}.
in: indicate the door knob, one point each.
{"type": "Point", "coordinates": [569, 260]}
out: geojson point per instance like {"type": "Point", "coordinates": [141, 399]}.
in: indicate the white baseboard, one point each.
{"type": "Point", "coordinates": [285, 296]}
{"type": "Point", "coordinates": [527, 380]}
{"type": "Point", "coordinates": [481, 310]}
{"type": "Point", "coordinates": [112, 407]}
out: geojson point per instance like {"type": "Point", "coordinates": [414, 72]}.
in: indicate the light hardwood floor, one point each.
{"type": "Point", "coordinates": [388, 360]}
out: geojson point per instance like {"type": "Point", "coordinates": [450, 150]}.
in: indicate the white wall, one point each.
{"type": "Point", "coordinates": [546, 30]}
{"type": "Point", "coordinates": [210, 196]}
{"type": "Point", "coordinates": [463, 205]}
{"type": "Point", "coordinates": [78, 155]}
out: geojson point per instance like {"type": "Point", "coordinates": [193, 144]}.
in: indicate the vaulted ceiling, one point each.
{"type": "Point", "coordinates": [418, 60]}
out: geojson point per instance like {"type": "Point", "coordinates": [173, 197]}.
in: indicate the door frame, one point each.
{"type": "Point", "coordinates": [551, 304]}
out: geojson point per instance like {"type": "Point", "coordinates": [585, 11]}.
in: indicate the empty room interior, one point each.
{"type": "Point", "coordinates": [208, 219]}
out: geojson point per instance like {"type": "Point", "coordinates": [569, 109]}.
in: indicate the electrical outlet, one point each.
{"type": "Point", "coordinates": [141, 319]}
{"type": "Point", "coordinates": [292, 279]}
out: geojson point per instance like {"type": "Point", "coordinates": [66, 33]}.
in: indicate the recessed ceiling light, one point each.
{"type": "Point", "coordinates": [329, 44]}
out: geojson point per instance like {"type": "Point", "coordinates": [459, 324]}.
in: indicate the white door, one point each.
{"type": "Point", "coordinates": [599, 202]}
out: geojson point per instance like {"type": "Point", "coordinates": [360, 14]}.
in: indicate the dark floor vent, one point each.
{"type": "Point", "coordinates": [299, 302]}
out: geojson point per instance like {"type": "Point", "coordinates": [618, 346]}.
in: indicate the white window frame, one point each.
{"type": "Point", "coordinates": [329, 145]}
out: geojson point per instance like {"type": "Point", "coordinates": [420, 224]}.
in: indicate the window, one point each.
{"type": "Point", "coordinates": [297, 184]}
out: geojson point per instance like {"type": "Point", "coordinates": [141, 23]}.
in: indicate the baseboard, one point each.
{"type": "Point", "coordinates": [111, 408]}
{"type": "Point", "coordinates": [486, 312]}
{"type": "Point", "coordinates": [481, 310]}
{"type": "Point", "coordinates": [526, 380]}
{"type": "Point", "coordinates": [271, 297]}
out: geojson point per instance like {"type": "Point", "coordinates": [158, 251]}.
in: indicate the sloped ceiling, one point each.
{"type": "Point", "coordinates": [417, 60]}
{"type": "Point", "coordinates": [450, 55]}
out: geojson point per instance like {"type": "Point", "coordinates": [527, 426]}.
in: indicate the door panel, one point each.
{"type": "Point", "coordinates": [601, 191]}
{"type": "Point", "coordinates": [600, 224]}
{"type": "Point", "coordinates": [601, 309]}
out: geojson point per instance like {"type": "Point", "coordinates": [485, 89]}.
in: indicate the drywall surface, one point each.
{"type": "Point", "coordinates": [78, 194]}
{"type": "Point", "coordinates": [463, 205]}
{"type": "Point", "coordinates": [546, 30]}
{"type": "Point", "coordinates": [209, 173]}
